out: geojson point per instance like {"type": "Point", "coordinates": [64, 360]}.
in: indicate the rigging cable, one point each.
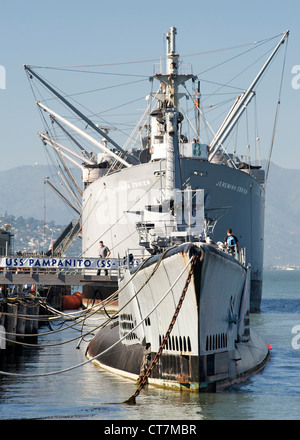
{"type": "Point", "coordinates": [276, 115]}
{"type": "Point", "coordinates": [257, 44]}
{"type": "Point", "coordinates": [90, 112]}
{"type": "Point", "coordinates": [159, 59]}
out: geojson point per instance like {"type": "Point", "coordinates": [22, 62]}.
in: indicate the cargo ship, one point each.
{"type": "Point", "coordinates": [184, 309]}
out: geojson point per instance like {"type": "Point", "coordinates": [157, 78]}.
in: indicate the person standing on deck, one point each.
{"type": "Point", "coordinates": [104, 252]}
{"type": "Point", "coordinates": [231, 241]}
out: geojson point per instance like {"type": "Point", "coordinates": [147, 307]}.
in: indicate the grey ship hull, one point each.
{"type": "Point", "coordinates": [211, 345]}
{"type": "Point", "coordinates": [112, 205]}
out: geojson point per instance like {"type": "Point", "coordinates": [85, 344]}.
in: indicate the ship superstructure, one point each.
{"type": "Point", "coordinates": [124, 191]}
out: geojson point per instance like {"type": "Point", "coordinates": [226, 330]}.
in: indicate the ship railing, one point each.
{"type": "Point", "coordinates": [133, 257]}
{"type": "Point", "coordinates": [35, 273]}
{"type": "Point", "coordinates": [240, 254]}
{"type": "Point", "coordinates": [243, 256]}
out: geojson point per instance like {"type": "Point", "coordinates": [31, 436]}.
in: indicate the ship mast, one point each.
{"type": "Point", "coordinates": [240, 105]}
{"type": "Point", "coordinates": [172, 68]}
{"type": "Point", "coordinates": [169, 114]}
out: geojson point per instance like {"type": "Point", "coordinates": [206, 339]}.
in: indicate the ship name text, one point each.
{"type": "Point", "coordinates": [82, 263]}
{"type": "Point", "coordinates": [232, 187]}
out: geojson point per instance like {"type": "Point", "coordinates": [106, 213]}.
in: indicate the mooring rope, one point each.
{"type": "Point", "coordinates": [109, 348]}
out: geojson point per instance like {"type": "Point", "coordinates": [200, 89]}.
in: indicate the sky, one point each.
{"type": "Point", "coordinates": [73, 33]}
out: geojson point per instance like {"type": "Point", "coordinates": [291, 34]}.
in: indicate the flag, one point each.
{"type": "Point", "coordinates": [51, 245]}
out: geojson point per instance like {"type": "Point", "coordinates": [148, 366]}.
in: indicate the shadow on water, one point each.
{"type": "Point", "coordinates": [278, 305]}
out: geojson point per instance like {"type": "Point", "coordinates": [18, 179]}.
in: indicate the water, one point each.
{"type": "Point", "coordinates": [88, 393]}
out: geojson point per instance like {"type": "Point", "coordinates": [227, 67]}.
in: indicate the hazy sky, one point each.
{"type": "Point", "coordinates": [60, 33]}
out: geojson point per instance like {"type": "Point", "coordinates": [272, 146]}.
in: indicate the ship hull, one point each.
{"type": "Point", "coordinates": [112, 206]}
{"type": "Point", "coordinates": [100, 294]}
{"type": "Point", "coordinates": [210, 346]}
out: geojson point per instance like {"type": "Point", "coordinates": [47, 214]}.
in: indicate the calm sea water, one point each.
{"type": "Point", "coordinates": [88, 393]}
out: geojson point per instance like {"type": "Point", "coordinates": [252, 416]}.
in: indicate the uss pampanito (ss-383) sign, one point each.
{"type": "Point", "coordinates": [63, 263]}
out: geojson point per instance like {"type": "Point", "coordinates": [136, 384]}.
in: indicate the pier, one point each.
{"type": "Point", "coordinates": [56, 278]}
{"type": "Point", "coordinates": [29, 286]}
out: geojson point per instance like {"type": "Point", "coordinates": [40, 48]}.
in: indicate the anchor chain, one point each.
{"type": "Point", "coordinates": [143, 378]}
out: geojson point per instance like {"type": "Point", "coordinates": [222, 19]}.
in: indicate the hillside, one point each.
{"type": "Point", "coordinates": [24, 194]}
{"type": "Point", "coordinates": [34, 236]}
{"type": "Point", "coordinates": [282, 233]}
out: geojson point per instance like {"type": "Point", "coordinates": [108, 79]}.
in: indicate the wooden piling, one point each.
{"type": "Point", "coordinates": [29, 320]}
{"type": "Point", "coordinates": [35, 311]}
{"type": "Point", "coordinates": [11, 322]}
{"type": "Point", "coordinates": [21, 323]}
{"type": "Point", "coordinates": [32, 324]}
{"type": "Point", "coordinates": [2, 338]}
